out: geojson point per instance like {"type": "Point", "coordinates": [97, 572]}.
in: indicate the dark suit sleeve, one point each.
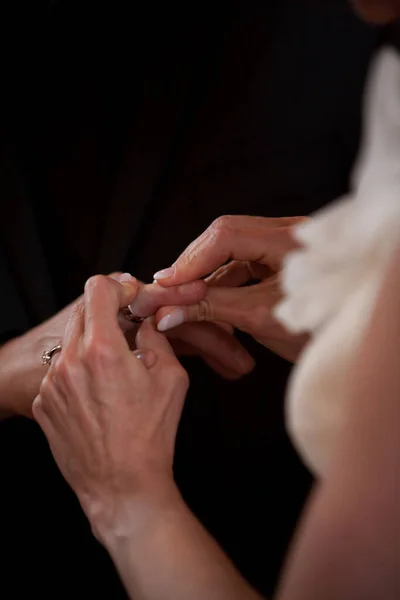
{"type": "Point", "coordinates": [13, 319]}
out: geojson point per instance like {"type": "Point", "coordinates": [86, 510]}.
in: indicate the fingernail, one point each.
{"type": "Point", "coordinates": [175, 318]}
{"type": "Point", "coordinates": [164, 273]}
{"type": "Point", "coordinates": [147, 356]}
{"type": "Point", "coordinates": [244, 361]}
{"type": "Point", "coordinates": [124, 277]}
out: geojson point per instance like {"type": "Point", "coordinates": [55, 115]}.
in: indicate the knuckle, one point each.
{"type": "Point", "coordinates": [98, 283]}
{"type": "Point", "coordinates": [172, 371]}
{"type": "Point", "coordinates": [220, 228]}
{"type": "Point", "coordinates": [178, 376]}
{"type": "Point", "coordinates": [38, 408]}
{"type": "Point", "coordinates": [260, 317]}
{"type": "Point", "coordinates": [205, 311]}
{"type": "Point", "coordinates": [65, 369]}
{"type": "Point", "coordinates": [78, 309]}
{"type": "Point", "coordinates": [46, 387]}
{"type": "Point", "coordinates": [98, 355]}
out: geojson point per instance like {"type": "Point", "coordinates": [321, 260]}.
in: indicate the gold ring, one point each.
{"type": "Point", "coordinates": [48, 354]}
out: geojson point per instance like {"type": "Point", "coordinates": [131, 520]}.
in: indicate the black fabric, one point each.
{"type": "Point", "coordinates": [151, 126]}
{"type": "Point", "coordinates": [12, 317]}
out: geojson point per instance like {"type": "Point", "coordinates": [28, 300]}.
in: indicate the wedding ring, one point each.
{"type": "Point", "coordinates": [48, 354]}
{"type": "Point", "coordinates": [128, 314]}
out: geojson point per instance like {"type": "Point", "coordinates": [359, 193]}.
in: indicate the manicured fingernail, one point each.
{"type": "Point", "coordinates": [124, 277]}
{"type": "Point", "coordinates": [148, 357]}
{"type": "Point", "coordinates": [164, 273]}
{"type": "Point", "coordinates": [175, 318]}
{"type": "Point", "coordinates": [244, 361]}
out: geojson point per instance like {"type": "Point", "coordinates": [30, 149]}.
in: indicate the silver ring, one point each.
{"type": "Point", "coordinates": [128, 314]}
{"type": "Point", "coordinates": [48, 354]}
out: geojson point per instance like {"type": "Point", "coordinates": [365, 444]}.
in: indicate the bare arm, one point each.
{"type": "Point", "coordinates": [163, 553]}
{"type": "Point", "coordinates": [349, 546]}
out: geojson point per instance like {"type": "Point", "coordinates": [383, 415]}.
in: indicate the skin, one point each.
{"type": "Point", "coordinates": [129, 408]}
{"type": "Point", "coordinates": [378, 11]}
{"type": "Point", "coordinates": [255, 248]}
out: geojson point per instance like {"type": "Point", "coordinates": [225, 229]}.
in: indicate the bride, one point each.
{"type": "Point", "coordinates": [332, 283]}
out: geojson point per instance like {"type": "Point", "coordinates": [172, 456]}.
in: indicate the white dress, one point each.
{"type": "Point", "coordinates": [332, 283]}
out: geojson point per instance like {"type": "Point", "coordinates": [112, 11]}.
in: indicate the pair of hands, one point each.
{"type": "Point", "coordinates": [215, 344]}
{"type": "Point", "coordinates": [256, 247]}
{"type": "Point", "coordinates": [128, 404]}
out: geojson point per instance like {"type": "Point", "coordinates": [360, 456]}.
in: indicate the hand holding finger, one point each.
{"type": "Point", "coordinates": [255, 239]}
{"type": "Point", "coordinates": [151, 297]}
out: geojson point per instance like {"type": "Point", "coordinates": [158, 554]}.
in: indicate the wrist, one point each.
{"type": "Point", "coordinates": [16, 378]}
{"type": "Point", "coordinates": [118, 517]}
{"type": "Point", "coordinates": [21, 371]}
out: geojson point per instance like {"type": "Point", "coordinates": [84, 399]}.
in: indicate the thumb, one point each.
{"type": "Point", "coordinates": [148, 338]}
{"type": "Point", "coordinates": [238, 307]}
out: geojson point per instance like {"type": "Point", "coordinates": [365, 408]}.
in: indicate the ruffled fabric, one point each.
{"type": "Point", "coordinates": [331, 284]}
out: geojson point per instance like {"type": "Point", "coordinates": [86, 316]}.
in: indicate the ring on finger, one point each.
{"type": "Point", "coordinates": [130, 316]}
{"type": "Point", "coordinates": [48, 354]}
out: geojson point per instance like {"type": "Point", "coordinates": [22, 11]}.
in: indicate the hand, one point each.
{"type": "Point", "coordinates": [378, 11]}
{"type": "Point", "coordinates": [110, 414]}
{"type": "Point", "coordinates": [255, 247]}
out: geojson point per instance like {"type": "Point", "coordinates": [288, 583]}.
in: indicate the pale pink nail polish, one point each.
{"type": "Point", "coordinates": [175, 318]}
{"type": "Point", "coordinates": [124, 277]}
{"type": "Point", "coordinates": [164, 273]}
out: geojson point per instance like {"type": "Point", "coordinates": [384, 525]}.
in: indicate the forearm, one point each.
{"type": "Point", "coordinates": [163, 553]}
{"type": "Point", "coordinates": [350, 546]}
{"type": "Point", "coordinates": [17, 376]}
{"type": "Point", "coordinates": [21, 371]}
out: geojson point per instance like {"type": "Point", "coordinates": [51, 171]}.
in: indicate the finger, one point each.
{"type": "Point", "coordinates": [221, 370]}
{"type": "Point", "coordinates": [153, 296]}
{"type": "Point", "coordinates": [240, 307]}
{"type": "Point", "coordinates": [225, 326]}
{"type": "Point", "coordinates": [148, 338]}
{"type": "Point", "coordinates": [207, 339]}
{"type": "Point", "coordinates": [41, 417]}
{"type": "Point", "coordinates": [75, 327]}
{"type": "Point", "coordinates": [103, 298]}
{"type": "Point", "coordinates": [255, 239]}
{"type": "Point", "coordinates": [237, 273]}
{"type": "Point", "coordinates": [48, 411]}
{"type": "Point", "coordinates": [147, 357]}
{"type": "Point", "coordinates": [183, 349]}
